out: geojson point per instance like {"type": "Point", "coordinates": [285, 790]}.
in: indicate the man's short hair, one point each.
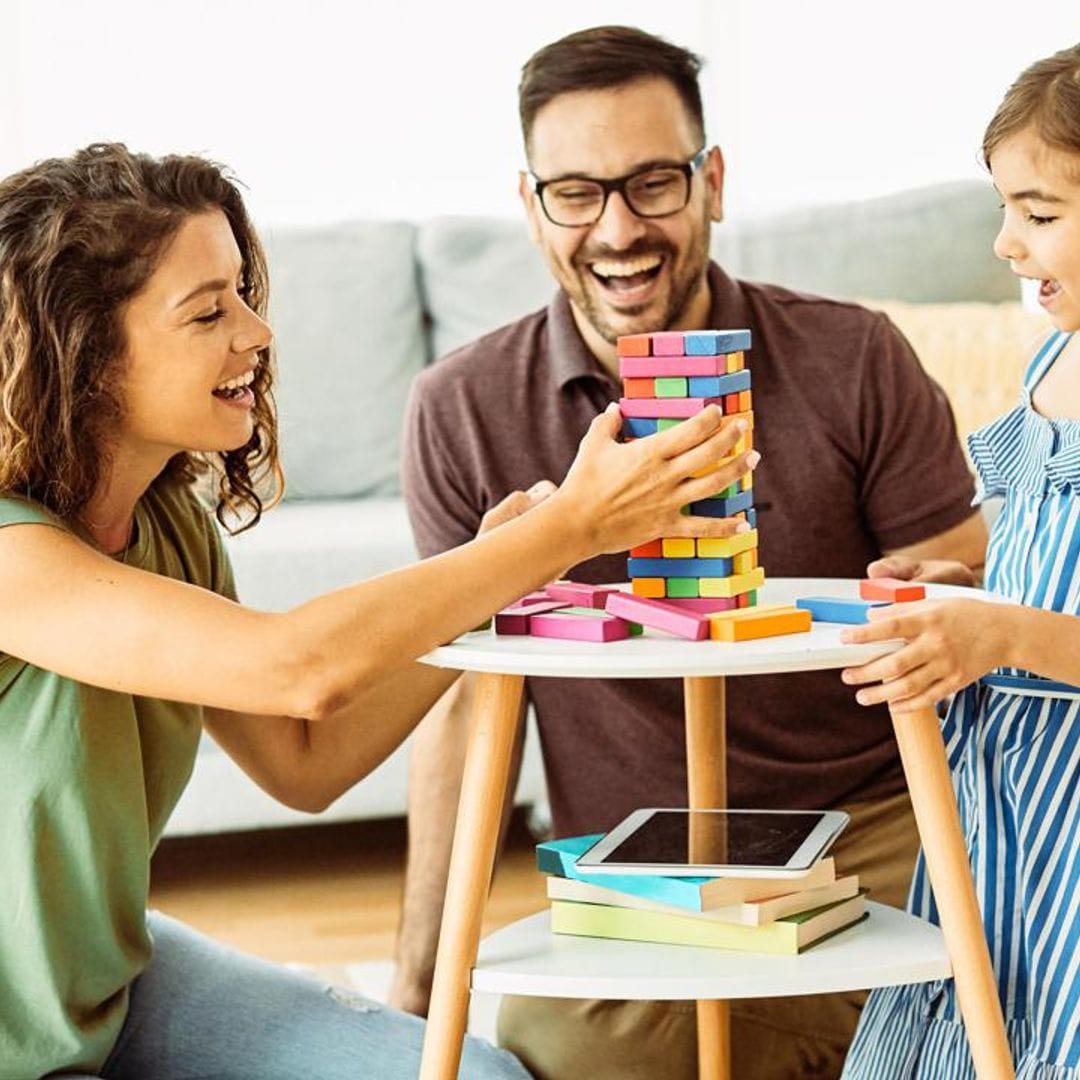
{"type": "Point", "coordinates": [603, 57]}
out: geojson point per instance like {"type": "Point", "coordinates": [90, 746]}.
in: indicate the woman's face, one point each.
{"type": "Point", "coordinates": [192, 347]}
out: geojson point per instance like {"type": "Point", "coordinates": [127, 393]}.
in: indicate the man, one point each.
{"type": "Point", "coordinates": [620, 196]}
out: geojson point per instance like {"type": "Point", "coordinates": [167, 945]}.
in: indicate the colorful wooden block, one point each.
{"type": "Point", "coordinates": [577, 592]}
{"type": "Point", "coordinates": [745, 561]}
{"type": "Point", "coordinates": [656, 408]}
{"type": "Point", "coordinates": [559, 624]}
{"type": "Point", "coordinates": [652, 550]}
{"type": "Point", "coordinates": [667, 423]}
{"type": "Point", "coordinates": [637, 427]}
{"type": "Point", "coordinates": [708, 386]}
{"type": "Point", "coordinates": [892, 590]}
{"type": "Point", "coordinates": [685, 588]}
{"type": "Point", "coordinates": [709, 547]}
{"type": "Point", "coordinates": [758, 623]}
{"type": "Point", "coordinates": [669, 343]}
{"type": "Point", "coordinates": [722, 507]}
{"type": "Point", "coordinates": [838, 609]}
{"type": "Point", "coordinates": [654, 367]}
{"type": "Point", "coordinates": [633, 345]}
{"type": "Point", "coordinates": [746, 400]}
{"type": "Point", "coordinates": [735, 361]}
{"type": "Point", "coordinates": [669, 388]}
{"type": "Point", "coordinates": [705, 605]}
{"type": "Point", "coordinates": [746, 483]}
{"type": "Point", "coordinates": [731, 403]}
{"type": "Point", "coordinates": [679, 547]}
{"type": "Point", "coordinates": [678, 568]}
{"type": "Point", "coordinates": [732, 585]}
{"type": "Point", "coordinates": [713, 342]}
{"type": "Point", "coordinates": [515, 621]}
{"type": "Point", "coordinates": [658, 615]}
{"type": "Point", "coordinates": [639, 388]}
{"type": "Point", "coordinates": [653, 588]}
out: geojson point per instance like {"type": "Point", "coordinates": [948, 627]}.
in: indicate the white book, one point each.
{"type": "Point", "coordinates": [748, 913]}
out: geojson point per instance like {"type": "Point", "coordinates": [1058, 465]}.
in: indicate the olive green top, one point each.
{"type": "Point", "coordinates": [88, 778]}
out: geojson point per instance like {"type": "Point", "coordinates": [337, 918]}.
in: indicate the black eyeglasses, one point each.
{"type": "Point", "coordinates": [654, 192]}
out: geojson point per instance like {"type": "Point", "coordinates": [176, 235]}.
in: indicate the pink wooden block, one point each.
{"type": "Point", "coordinates": [659, 615]}
{"type": "Point", "coordinates": [579, 594]}
{"type": "Point", "coordinates": [668, 344]}
{"type": "Point", "coordinates": [648, 367]}
{"type": "Point", "coordinates": [579, 628]}
{"type": "Point", "coordinates": [538, 597]}
{"type": "Point", "coordinates": [666, 407]}
{"type": "Point", "coordinates": [516, 619]}
{"type": "Point", "coordinates": [705, 604]}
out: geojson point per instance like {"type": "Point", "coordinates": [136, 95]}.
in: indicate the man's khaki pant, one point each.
{"type": "Point", "coordinates": [801, 1038]}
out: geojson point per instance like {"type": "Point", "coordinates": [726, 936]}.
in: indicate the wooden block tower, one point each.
{"type": "Point", "coordinates": [668, 377]}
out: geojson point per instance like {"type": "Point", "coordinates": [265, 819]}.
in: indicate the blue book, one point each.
{"type": "Point", "coordinates": [559, 857]}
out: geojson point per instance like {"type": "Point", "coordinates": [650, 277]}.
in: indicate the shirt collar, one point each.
{"type": "Point", "coordinates": [570, 357]}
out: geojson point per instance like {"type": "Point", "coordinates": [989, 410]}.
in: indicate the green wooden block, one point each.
{"type": "Point", "coordinates": [752, 601]}
{"type": "Point", "coordinates": [683, 587]}
{"type": "Point", "coordinates": [667, 424]}
{"type": "Point", "coordinates": [636, 629]}
{"type": "Point", "coordinates": [671, 388]}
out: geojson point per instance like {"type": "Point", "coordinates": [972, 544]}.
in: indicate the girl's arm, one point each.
{"type": "Point", "coordinates": [951, 643]}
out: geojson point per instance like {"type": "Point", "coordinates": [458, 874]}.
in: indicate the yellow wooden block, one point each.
{"type": "Point", "coordinates": [678, 548]}
{"type": "Point", "coordinates": [745, 401]}
{"type": "Point", "coordinates": [759, 624]}
{"type": "Point", "coordinates": [712, 547]}
{"type": "Point", "coordinates": [652, 587]}
{"type": "Point", "coordinates": [732, 586]}
{"type": "Point", "coordinates": [749, 612]}
{"type": "Point", "coordinates": [745, 561]}
{"type": "Point", "coordinates": [735, 362]}
{"type": "Point", "coordinates": [746, 483]}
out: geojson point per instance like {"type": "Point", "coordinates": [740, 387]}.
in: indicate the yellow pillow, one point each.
{"type": "Point", "coordinates": [976, 352]}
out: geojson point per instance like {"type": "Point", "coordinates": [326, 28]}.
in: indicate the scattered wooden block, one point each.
{"type": "Point", "coordinates": [649, 587]}
{"type": "Point", "coordinates": [759, 623]}
{"type": "Point", "coordinates": [892, 590]}
{"type": "Point", "coordinates": [669, 343]}
{"type": "Point", "coordinates": [580, 594]}
{"type": "Point", "coordinates": [659, 616]}
{"type": "Point", "coordinates": [516, 621]}
{"type": "Point", "coordinates": [574, 627]}
{"type": "Point", "coordinates": [633, 345]}
{"type": "Point", "coordinates": [838, 609]}
{"type": "Point", "coordinates": [679, 547]}
{"type": "Point", "coordinates": [732, 585]}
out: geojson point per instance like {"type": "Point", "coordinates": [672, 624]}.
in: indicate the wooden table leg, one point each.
{"type": "Point", "coordinates": [706, 766]}
{"type": "Point", "coordinates": [922, 751]}
{"type": "Point", "coordinates": [476, 835]}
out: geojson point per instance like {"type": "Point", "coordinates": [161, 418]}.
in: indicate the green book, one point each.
{"type": "Point", "coordinates": [559, 857]}
{"type": "Point", "coordinates": [785, 937]}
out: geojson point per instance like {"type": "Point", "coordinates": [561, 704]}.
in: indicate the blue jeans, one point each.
{"type": "Point", "coordinates": [201, 1011]}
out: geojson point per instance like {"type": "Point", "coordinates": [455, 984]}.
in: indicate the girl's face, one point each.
{"type": "Point", "coordinates": [192, 347]}
{"type": "Point", "coordinates": [1040, 233]}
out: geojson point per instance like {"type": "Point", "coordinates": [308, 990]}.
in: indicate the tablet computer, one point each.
{"type": "Point", "coordinates": [715, 843]}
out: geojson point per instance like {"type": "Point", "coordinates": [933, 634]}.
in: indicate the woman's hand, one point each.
{"type": "Point", "coordinates": [950, 644]}
{"type": "Point", "coordinates": [941, 571]}
{"type": "Point", "coordinates": [623, 494]}
{"type": "Point", "coordinates": [514, 505]}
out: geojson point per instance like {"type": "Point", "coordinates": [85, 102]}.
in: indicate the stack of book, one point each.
{"type": "Point", "coordinates": [766, 915]}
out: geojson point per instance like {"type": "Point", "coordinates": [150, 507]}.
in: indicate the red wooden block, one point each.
{"type": "Point", "coordinates": [731, 404]}
{"type": "Point", "coordinates": [639, 388]}
{"type": "Point", "coordinates": [893, 590]}
{"type": "Point", "coordinates": [634, 345]}
{"type": "Point", "coordinates": [654, 549]}
{"type": "Point", "coordinates": [517, 620]}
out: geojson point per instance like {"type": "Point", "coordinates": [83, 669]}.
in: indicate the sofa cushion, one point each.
{"type": "Point", "coordinates": [933, 243]}
{"type": "Point", "coordinates": [345, 308]}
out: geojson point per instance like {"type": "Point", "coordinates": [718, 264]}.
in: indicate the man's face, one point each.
{"type": "Point", "coordinates": [624, 274]}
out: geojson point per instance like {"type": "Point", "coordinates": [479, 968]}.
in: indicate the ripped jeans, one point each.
{"type": "Point", "coordinates": [201, 1011]}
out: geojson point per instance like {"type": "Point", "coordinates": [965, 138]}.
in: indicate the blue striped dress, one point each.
{"type": "Point", "coordinates": [1013, 742]}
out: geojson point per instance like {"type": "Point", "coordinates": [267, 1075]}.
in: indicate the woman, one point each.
{"type": "Point", "coordinates": [135, 361]}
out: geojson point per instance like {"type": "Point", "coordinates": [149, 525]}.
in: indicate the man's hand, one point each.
{"type": "Point", "coordinates": [941, 571]}
{"type": "Point", "coordinates": [514, 505]}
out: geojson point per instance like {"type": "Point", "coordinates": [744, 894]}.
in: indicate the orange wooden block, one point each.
{"type": "Point", "coordinates": [639, 388]}
{"type": "Point", "coordinates": [742, 600]}
{"type": "Point", "coordinates": [892, 589]}
{"type": "Point", "coordinates": [745, 401]}
{"type": "Point", "coordinates": [634, 345]}
{"type": "Point", "coordinates": [760, 624]}
{"type": "Point", "coordinates": [652, 587]}
{"type": "Point", "coordinates": [735, 362]}
{"type": "Point", "coordinates": [731, 404]}
{"type": "Point", "coordinates": [652, 550]}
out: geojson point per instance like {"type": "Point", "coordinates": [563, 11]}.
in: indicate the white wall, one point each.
{"type": "Point", "coordinates": [329, 109]}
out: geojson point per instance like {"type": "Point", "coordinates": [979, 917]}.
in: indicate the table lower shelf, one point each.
{"type": "Point", "coordinates": [889, 948]}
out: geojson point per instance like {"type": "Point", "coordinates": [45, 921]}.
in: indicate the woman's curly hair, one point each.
{"type": "Point", "coordinates": [79, 237]}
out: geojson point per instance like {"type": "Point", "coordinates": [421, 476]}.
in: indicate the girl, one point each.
{"type": "Point", "coordinates": [1013, 728]}
{"type": "Point", "coordinates": [134, 360]}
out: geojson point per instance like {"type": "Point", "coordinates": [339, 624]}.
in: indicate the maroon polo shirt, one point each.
{"type": "Point", "coordinates": [859, 456]}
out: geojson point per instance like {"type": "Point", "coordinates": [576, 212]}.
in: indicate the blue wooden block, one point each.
{"type": "Point", "coordinates": [838, 609]}
{"type": "Point", "coordinates": [751, 518]}
{"type": "Point", "coordinates": [725, 507]}
{"type": "Point", "coordinates": [716, 342]}
{"type": "Point", "coordinates": [718, 385]}
{"type": "Point", "coordinates": [637, 426]}
{"type": "Point", "coordinates": [668, 568]}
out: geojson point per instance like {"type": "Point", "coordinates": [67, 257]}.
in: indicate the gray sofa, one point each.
{"type": "Point", "coordinates": [360, 308]}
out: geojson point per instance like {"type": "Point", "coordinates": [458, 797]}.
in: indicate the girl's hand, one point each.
{"type": "Point", "coordinates": [623, 494]}
{"type": "Point", "coordinates": [514, 505]}
{"type": "Point", "coordinates": [904, 568]}
{"type": "Point", "coordinates": [950, 644]}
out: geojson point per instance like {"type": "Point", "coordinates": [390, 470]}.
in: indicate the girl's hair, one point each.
{"type": "Point", "coordinates": [1045, 97]}
{"type": "Point", "coordinates": [79, 237]}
